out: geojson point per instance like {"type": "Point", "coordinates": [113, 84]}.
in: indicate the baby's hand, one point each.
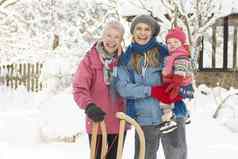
{"type": "Point", "coordinates": [164, 73]}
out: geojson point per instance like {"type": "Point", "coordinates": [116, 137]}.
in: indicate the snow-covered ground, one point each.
{"type": "Point", "coordinates": [35, 125]}
{"type": "Point", "coordinates": [32, 126]}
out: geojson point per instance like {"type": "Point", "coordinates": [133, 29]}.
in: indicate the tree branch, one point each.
{"type": "Point", "coordinates": [142, 6]}
{"type": "Point", "coordinates": [184, 19]}
{"type": "Point", "coordinates": [2, 1]}
{"type": "Point", "coordinates": [221, 105]}
{"type": "Point", "coordinates": [10, 4]}
{"type": "Point", "coordinates": [167, 5]}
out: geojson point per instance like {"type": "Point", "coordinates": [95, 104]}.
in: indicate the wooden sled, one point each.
{"type": "Point", "coordinates": [94, 140]}
{"type": "Point", "coordinates": [123, 120]}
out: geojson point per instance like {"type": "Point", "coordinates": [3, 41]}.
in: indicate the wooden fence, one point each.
{"type": "Point", "coordinates": [26, 74]}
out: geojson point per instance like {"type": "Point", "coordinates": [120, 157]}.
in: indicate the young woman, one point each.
{"type": "Point", "coordinates": [93, 85]}
{"type": "Point", "coordinates": [139, 71]}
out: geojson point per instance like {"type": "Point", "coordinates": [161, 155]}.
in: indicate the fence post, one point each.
{"type": "Point", "coordinates": [13, 75]}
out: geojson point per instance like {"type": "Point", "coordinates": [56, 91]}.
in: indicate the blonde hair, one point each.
{"type": "Point", "coordinates": [151, 60]}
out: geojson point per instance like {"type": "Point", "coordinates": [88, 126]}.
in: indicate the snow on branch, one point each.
{"type": "Point", "coordinates": [6, 3]}
{"type": "Point", "coordinates": [167, 4]}
{"type": "Point", "coordinates": [2, 1]}
{"type": "Point", "coordinates": [142, 5]}
{"type": "Point", "coordinates": [37, 23]}
{"type": "Point", "coordinates": [222, 104]}
{"type": "Point", "coordinates": [195, 16]}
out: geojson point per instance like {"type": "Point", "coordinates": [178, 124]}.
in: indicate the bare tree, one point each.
{"type": "Point", "coordinates": [201, 15]}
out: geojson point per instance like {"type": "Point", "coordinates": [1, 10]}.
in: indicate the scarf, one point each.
{"type": "Point", "coordinates": [169, 62]}
{"type": "Point", "coordinates": [137, 48]}
{"type": "Point", "coordinates": [109, 62]}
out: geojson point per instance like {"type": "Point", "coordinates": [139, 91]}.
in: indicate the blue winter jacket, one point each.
{"type": "Point", "coordinates": [137, 92]}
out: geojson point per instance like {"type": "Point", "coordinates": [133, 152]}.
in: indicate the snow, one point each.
{"type": "Point", "coordinates": [32, 125]}
{"type": "Point", "coordinates": [41, 125]}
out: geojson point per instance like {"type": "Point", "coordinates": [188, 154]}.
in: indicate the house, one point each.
{"type": "Point", "coordinates": [218, 58]}
{"type": "Point", "coordinates": [218, 63]}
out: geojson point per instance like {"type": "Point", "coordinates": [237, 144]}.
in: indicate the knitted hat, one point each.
{"type": "Point", "coordinates": [147, 19]}
{"type": "Point", "coordinates": [177, 33]}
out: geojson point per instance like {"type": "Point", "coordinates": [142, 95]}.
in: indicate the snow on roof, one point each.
{"type": "Point", "coordinates": [229, 7]}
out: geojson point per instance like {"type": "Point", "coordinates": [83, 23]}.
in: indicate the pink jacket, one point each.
{"type": "Point", "coordinates": [170, 61]}
{"type": "Point", "coordinates": [89, 87]}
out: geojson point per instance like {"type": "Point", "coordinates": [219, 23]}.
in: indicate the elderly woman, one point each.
{"type": "Point", "coordinates": [93, 85]}
{"type": "Point", "coordinates": [138, 74]}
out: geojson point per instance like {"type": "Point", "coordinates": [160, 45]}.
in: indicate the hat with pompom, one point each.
{"type": "Point", "coordinates": [177, 33]}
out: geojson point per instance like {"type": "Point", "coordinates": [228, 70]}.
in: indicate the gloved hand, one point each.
{"type": "Point", "coordinates": [174, 87]}
{"type": "Point", "coordinates": [173, 90]}
{"type": "Point", "coordinates": [159, 93]}
{"type": "Point", "coordinates": [94, 112]}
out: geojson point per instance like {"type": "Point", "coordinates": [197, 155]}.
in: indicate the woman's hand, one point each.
{"type": "Point", "coordinates": [174, 87]}
{"type": "Point", "coordinates": [94, 112]}
{"type": "Point", "coordinates": [160, 93]}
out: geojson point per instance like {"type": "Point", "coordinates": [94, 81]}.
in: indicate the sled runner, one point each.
{"type": "Point", "coordinates": [123, 120]}
{"type": "Point", "coordinates": [94, 140]}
